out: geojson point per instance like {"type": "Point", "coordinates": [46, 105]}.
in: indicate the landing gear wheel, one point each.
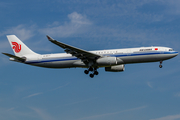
{"type": "Point", "coordinates": [90, 69]}
{"type": "Point", "coordinates": [96, 72]}
{"type": "Point", "coordinates": [91, 75]}
{"type": "Point", "coordinates": [86, 72]}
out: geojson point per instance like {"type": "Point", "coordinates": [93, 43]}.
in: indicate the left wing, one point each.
{"type": "Point", "coordinates": [16, 58]}
{"type": "Point", "coordinates": [79, 53]}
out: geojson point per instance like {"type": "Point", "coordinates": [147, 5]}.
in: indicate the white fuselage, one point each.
{"type": "Point", "coordinates": [122, 56]}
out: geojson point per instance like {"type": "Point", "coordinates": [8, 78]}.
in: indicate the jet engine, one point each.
{"type": "Point", "coordinates": [117, 68]}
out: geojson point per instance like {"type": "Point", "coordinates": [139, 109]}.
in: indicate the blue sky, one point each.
{"type": "Point", "coordinates": [141, 92]}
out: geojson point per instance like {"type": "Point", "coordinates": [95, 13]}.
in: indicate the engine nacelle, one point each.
{"type": "Point", "coordinates": [117, 68]}
{"type": "Point", "coordinates": [106, 61]}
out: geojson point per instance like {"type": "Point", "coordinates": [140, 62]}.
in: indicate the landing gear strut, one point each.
{"type": "Point", "coordinates": [93, 70]}
{"type": "Point", "coordinates": [160, 66]}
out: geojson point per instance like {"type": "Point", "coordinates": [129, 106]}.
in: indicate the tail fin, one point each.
{"type": "Point", "coordinates": [19, 48]}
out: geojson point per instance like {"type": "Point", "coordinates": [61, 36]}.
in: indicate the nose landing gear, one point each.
{"type": "Point", "coordinates": [160, 66]}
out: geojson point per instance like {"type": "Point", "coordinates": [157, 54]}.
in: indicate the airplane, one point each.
{"type": "Point", "coordinates": [113, 59]}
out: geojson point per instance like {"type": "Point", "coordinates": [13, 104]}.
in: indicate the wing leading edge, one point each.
{"type": "Point", "coordinates": [85, 56]}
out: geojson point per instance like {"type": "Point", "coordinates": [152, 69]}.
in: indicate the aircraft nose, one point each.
{"type": "Point", "coordinates": [175, 53]}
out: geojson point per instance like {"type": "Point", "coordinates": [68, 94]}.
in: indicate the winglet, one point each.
{"type": "Point", "coordinates": [49, 38]}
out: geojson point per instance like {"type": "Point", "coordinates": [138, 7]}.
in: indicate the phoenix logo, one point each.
{"type": "Point", "coordinates": [16, 47]}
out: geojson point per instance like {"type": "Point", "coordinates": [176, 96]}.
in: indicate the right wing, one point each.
{"type": "Point", "coordinates": [79, 53]}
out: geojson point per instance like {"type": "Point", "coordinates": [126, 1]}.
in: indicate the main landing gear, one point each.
{"type": "Point", "coordinates": [160, 66]}
{"type": "Point", "coordinates": [93, 70]}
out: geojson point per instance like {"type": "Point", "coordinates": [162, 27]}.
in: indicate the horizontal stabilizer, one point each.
{"type": "Point", "coordinates": [16, 58]}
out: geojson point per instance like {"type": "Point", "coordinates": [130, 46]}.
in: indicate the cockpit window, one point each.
{"type": "Point", "coordinates": [170, 49]}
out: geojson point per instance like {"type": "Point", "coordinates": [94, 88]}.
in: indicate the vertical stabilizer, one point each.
{"type": "Point", "coordinates": [19, 48]}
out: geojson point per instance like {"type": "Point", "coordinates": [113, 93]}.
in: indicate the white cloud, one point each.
{"type": "Point", "coordinates": [118, 112]}
{"type": "Point", "coordinates": [149, 84]}
{"type": "Point", "coordinates": [177, 94]}
{"type": "Point", "coordinates": [4, 44]}
{"type": "Point", "coordinates": [173, 6]}
{"type": "Point", "coordinates": [12, 113]}
{"type": "Point", "coordinates": [11, 109]}
{"type": "Point", "coordinates": [78, 24]}
{"type": "Point", "coordinates": [60, 87]}
{"type": "Point", "coordinates": [42, 113]}
{"type": "Point", "coordinates": [3, 5]}
{"type": "Point", "coordinates": [78, 19]}
{"type": "Point", "coordinates": [73, 103]}
{"type": "Point", "coordinates": [170, 117]}
{"type": "Point", "coordinates": [21, 31]}
{"type": "Point", "coordinates": [32, 95]}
